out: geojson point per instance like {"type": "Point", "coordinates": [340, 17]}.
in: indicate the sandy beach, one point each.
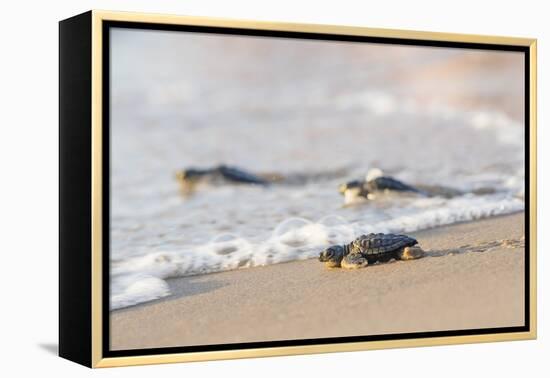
{"type": "Point", "coordinates": [472, 277]}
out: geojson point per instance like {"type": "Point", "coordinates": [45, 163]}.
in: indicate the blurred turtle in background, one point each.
{"type": "Point", "coordinates": [190, 179]}
{"type": "Point", "coordinates": [374, 183]}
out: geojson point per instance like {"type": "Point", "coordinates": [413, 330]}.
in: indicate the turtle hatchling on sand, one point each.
{"type": "Point", "coordinates": [371, 248]}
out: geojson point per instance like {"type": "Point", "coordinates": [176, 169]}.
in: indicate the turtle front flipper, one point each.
{"type": "Point", "coordinates": [354, 261]}
{"type": "Point", "coordinates": [410, 253]}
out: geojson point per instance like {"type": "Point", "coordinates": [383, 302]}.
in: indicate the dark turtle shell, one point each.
{"type": "Point", "coordinates": [240, 176]}
{"type": "Point", "coordinates": [378, 244]}
{"type": "Point", "coordinates": [389, 183]}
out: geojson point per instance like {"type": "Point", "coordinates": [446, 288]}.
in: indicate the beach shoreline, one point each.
{"type": "Point", "coordinates": [472, 277]}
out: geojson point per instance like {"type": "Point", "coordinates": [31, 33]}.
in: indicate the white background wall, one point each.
{"type": "Point", "coordinates": [28, 171]}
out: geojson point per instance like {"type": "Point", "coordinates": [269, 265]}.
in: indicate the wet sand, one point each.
{"type": "Point", "coordinates": [472, 277]}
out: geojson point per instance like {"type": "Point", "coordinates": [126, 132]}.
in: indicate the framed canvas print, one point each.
{"type": "Point", "coordinates": [235, 189]}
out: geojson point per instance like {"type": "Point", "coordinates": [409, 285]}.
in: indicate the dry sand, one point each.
{"type": "Point", "coordinates": [473, 277]}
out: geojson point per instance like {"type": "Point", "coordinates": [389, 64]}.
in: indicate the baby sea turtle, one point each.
{"type": "Point", "coordinates": [371, 248]}
{"type": "Point", "coordinates": [190, 178]}
{"type": "Point", "coordinates": [375, 182]}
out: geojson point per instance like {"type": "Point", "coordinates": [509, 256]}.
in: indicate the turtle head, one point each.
{"type": "Point", "coordinates": [353, 192]}
{"type": "Point", "coordinates": [189, 179]}
{"type": "Point", "coordinates": [350, 186]}
{"type": "Point", "coordinates": [190, 175]}
{"type": "Point", "coordinates": [332, 256]}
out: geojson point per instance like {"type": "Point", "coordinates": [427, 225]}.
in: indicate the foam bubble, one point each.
{"type": "Point", "coordinates": [290, 225]}
{"type": "Point", "coordinates": [333, 220]}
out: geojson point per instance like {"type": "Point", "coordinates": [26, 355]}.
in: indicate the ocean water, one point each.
{"type": "Point", "coordinates": [426, 116]}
